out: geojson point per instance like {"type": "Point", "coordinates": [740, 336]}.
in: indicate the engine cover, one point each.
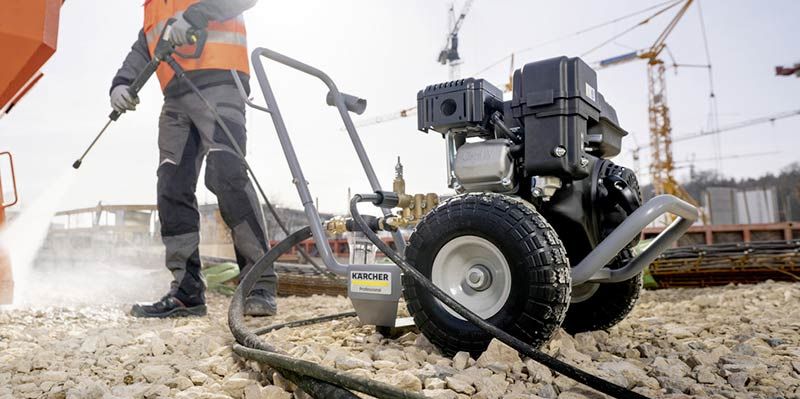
{"type": "Point", "coordinates": [485, 166]}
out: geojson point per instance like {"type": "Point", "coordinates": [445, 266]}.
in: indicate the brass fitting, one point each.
{"type": "Point", "coordinates": [399, 183]}
{"type": "Point", "coordinates": [412, 207]}
{"type": "Point", "coordinates": [336, 226]}
{"type": "Point", "coordinates": [399, 186]}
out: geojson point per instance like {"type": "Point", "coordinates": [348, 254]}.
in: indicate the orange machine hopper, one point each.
{"type": "Point", "coordinates": [28, 37]}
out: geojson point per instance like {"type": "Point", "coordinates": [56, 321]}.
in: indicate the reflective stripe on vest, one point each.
{"type": "Point", "coordinates": [226, 46]}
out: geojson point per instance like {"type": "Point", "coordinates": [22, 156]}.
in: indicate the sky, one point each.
{"type": "Point", "coordinates": [385, 51]}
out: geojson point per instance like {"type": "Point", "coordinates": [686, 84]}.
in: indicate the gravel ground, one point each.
{"type": "Point", "coordinates": [730, 342]}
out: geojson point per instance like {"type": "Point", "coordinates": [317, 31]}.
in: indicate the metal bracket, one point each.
{"type": "Point", "coordinates": [13, 182]}
{"type": "Point", "coordinates": [592, 267]}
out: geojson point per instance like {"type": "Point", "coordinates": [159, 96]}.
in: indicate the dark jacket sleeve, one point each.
{"type": "Point", "coordinates": [134, 63]}
{"type": "Point", "coordinates": [204, 11]}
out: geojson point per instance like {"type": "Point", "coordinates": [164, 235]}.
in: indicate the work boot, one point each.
{"type": "Point", "coordinates": [260, 303]}
{"type": "Point", "coordinates": [168, 306]}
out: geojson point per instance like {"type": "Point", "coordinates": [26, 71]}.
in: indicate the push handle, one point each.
{"type": "Point", "coordinates": [291, 157]}
{"type": "Point", "coordinates": [13, 181]}
{"type": "Point", "coordinates": [334, 93]}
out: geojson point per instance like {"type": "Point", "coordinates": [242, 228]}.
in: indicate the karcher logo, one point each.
{"type": "Point", "coordinates": [379, 283]}
{"type": "Point", "coordinates": [370, 276]}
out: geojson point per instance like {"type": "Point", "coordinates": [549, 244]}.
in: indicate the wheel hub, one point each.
{"type": "Point", "coordinates": [583, 292]}
{"type": "Point", "coordinates": [479, 278]}
{"type": "Point", "coordinates": [475, 273]}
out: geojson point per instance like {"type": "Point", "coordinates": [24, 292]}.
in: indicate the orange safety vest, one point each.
{"type": "Point", "coordinates": [226, 47]}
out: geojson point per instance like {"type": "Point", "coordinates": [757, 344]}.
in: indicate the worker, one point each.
{"type": "Point", "coordinates": [187, 134]}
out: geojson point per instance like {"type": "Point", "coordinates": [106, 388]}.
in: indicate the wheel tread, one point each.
{"type": "Point", "coordinates": [545, 260]}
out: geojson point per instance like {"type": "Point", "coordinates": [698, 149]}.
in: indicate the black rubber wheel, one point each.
{"type": "Point", "coordinates": [601, 306]}
{"type": "Point", "coordinates": [536, 290]}
{"type": "Point", "coordinates": [607, 306]}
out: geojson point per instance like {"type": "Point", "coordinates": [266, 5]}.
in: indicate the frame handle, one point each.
{"type": "Point", "coordinates": [13, 181]}
{"type": "Point", "coordinates": [339, 101]}
{"type": "Point", "coordinates": [591, 268]}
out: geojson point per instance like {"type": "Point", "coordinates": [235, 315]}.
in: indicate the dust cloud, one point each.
{"type": "Point", "coordinates": [70, 271]}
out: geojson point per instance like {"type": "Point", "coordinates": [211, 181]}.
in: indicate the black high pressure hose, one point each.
{"type": "Point", "coordinates": [550, 362]}
{"type": "Point", "coordinates": [317, 380]}
{"type": "Point", "coordinates": [284, 364]}
{"type": "Point", "coordinates": [325, 382]}
{"type": "Point", "coordinates": [181, 74]}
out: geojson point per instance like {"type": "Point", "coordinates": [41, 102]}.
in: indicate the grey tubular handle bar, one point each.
{"type": "Point", "coordinates": [591, 268]}
{"type": "Point", "coordinates": [320, 237]}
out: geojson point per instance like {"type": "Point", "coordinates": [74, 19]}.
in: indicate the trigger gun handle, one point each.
{"type": "Point", "coordinates": [138, 83]}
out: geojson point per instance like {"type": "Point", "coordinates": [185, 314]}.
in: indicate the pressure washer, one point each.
{"type": "Point", "coordinates": [542, 223]}
{"type": "Point", "coordinates": [490, 261]}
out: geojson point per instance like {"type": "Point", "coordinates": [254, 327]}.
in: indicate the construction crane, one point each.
{"type": "Point", "coordinates": [403, 113]}
{"type": "Point", "coordinates": [449, 53]}
{"type": "Point", "coordinates": [411, 111]}
{"type": "Point", "coordinates": [788, 70]}
{"type": "Point", "coordinates": [447, 56]}
{"type": "Point", "coordinates": [662, 164]}
{"type": "Point", "coordinates": [727, 128]}
{"type": "Point", "coordinates": [690, 163]}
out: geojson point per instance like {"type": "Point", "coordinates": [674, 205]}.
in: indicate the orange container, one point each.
{"type": "Point", "coordinates": [28, 38]}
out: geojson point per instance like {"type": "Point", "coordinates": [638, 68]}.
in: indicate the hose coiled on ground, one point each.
{"type": "Point", "coordinates": [325, 382]}
{"type": "Point", "coordinates": [316, 380]}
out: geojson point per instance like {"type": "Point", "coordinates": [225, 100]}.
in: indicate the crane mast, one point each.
{"type": "Point", "coordinates": [449, 53]}
{"type": "Point", "coordinates": [662, 163]}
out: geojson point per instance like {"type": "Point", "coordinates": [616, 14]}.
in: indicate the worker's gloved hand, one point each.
{"type": "Point", "coordinates": [180, 32]}
{"type": "Point", "coordinates": [123, 100]}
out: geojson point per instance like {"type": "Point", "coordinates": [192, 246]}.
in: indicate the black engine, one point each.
{"type": "Point", "coordinates": [548, 145]}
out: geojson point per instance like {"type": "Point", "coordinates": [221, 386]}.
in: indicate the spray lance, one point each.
{"type": "Point", "coordinates": [163, 53]}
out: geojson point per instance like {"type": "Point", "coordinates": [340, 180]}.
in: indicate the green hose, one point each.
{"type": "Point", "coordinates": [218, 275]}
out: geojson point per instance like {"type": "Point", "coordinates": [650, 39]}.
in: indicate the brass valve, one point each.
{"type": "Point", "coordinates": [412, 207]}
{"type": "Point", "coordinates": [336, 226]}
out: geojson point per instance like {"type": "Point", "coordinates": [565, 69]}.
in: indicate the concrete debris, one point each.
{"type": "Point", "coordinates": [725, 342]}
{"type": "Point", "coordinates": [460, 360]}
{"type": "Point", "coordinates": [349, 363]}
{"type": "Point", "coordinates": [460, 385]}
{"type": "Point", "coordinates": [499, 357]}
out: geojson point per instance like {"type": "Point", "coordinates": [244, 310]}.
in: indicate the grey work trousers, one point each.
{"type": "Point", "coordinates": [188, 134]}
